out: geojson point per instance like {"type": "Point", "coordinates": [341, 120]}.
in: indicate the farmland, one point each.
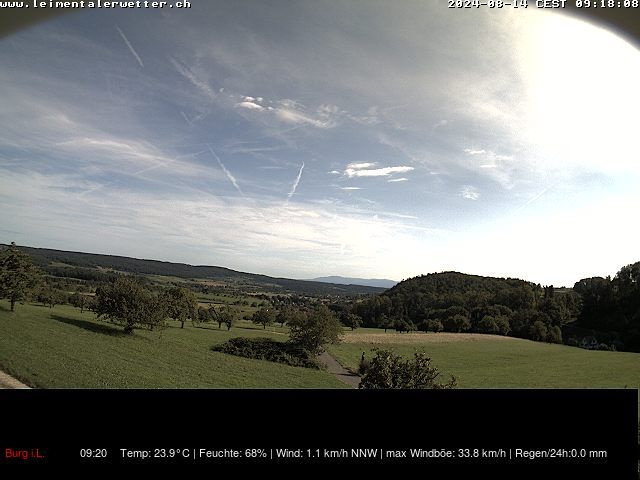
{"type": "Point", "coordinates": [62, 348]}
{"type": "Point", "coordinates": [490, 361]}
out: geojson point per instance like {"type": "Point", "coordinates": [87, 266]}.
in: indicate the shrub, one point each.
{"type": "Point", "coordinates": [268, 349]}
{"type": "Point", "coordinates": [554, 335]}
{"type": "Point", "coordinates": [388, 370]}
{"type": "Point", "coordinates": [434, 326]}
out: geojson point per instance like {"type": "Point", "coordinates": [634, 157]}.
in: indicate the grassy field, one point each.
{"type": "Point", "coordinates": [62, 348]}
{"type": "Point", "coordinates": [489, 361]}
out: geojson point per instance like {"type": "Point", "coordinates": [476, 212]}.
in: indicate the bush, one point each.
{"type": "Point", "coordinates": [268, 349]}
{"type": "Point", "coordinates": [388, 370]}
{"type": "Point", "coordinates": [538, 331]}
{"type": "Point", "coordinates": [434, 326]}
{"type": "Point", "coordinates": [554, 335]}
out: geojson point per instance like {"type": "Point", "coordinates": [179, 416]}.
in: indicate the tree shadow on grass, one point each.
{"type": "Point", "coordinates": [92, 327]}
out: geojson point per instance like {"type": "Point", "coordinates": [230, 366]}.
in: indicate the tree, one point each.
{"type": "Point", "coordinates": [203, 315]}
{"type": "Point", "coordinates": [402, 325]}
{"type": "Point", "coordinates": [312, 330]}
{"type": "Point", "coordinates": [554, 335]}
{"type": "Point", "coordinates": [434, 325]}
{"type": "Point", "coordinates": [17, 275]}
{"type": "Point", "coordinates": [457, 323]}
{"type": "Point", "coordinates": [80, 301]}
{"type": "Point", "coordinates": [488, 324]}
{"type": "Point", "coordinates": [538, 331]}
{"type": "Point", "coordinates": [388, 370]}
{"type": "Point", "coordinates": [50, 297]}
{"type": "Point", "coordinates": [353, 321]}
{"type": "Point", "coordinates": [281, 317]}
{"type": "Point", "coordinates": [263, 317]}
{"type": "Point", "coordinates": [227, 316]}
{"type": "Point", "coordinates": [181, 304]}
{"type": "Point", "coordinates": [502, 324]}
{"type": "Point", "coordinates": [128, 303]}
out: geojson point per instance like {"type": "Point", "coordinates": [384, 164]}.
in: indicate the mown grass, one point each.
{"type": "Point", "coordinates": [498, 362]}
{"type": "Point", "coordinates": [62, 348]}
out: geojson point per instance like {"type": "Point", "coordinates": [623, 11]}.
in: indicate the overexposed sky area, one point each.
{"type": "Point", "coordinates": [327, 137]}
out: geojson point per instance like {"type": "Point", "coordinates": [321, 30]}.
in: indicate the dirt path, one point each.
{"type": "Point", "coordinates": [338, 371]}
{"type": "Point", "coordinates": [7, 381]}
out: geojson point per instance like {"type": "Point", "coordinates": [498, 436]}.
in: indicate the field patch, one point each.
{"type": "Point", "coordinates": [62, 348]}
{"type": "Point", "coordinates": [419, 338]}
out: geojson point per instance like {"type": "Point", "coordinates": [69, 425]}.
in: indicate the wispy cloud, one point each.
{"type": "Point", "coordinates": [350, 188]}
{"type": "Point", "coordinates": [224, 169]}
{"type": "Point", "coordinates": [126, 40]}
{"type": "Point", "coordinates": [357, 166]}
{"type": "Point", "coordinates": [295, 183]}
{"type": "Point", "coordinates": [249, 105]}
{"type": "Point", "coordinates": [186, 119]}
{"type": "Point", "coordinates": [395, 180]}
{"type": "Point", "coordinates": [376, 172]}
{"type": "Point", "coordinates": [290, 111]}
{"type": "Point", "coordinates": [473, 151]}
{"type": "Point", "coordinates": [190, 75]}
{"type": "Point", "coordinates": [470, 192]}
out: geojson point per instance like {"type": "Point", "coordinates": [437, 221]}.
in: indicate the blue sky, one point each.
{"type": "Point", "coordinates": [312, 138]}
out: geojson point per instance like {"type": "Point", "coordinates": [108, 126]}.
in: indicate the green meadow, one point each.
{"type": "Point", "coordinates": [62, 348]}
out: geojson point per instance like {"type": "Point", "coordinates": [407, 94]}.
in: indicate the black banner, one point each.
{"type": "Point", "coordinates": [586, 433]}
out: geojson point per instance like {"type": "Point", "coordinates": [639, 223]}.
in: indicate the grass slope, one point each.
{"type": "Point", "coordinates": [61, 348]}
{"type": "Point", "coordinates": [488, 361]}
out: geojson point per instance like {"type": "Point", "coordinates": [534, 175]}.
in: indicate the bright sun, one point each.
{"type": "Point", "coordinates": [583, 93]}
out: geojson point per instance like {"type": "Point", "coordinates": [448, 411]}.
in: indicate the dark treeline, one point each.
{"type": "Point", "coordinates": [612, 306]}
{"type": "Point", "coordinates": [604, 310]}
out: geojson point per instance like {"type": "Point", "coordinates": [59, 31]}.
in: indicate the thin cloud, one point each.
{"type": "Point", "coordinates": [250, 105]}
{"type": "Point", "coordinates": [472, 151]}
{"type": "Point", "coordinates": [358, 166]}
{"type": "Point", "coordinates": [350, 188]}
{"type": "Point", "coordinates": [296, 183]}
{"type": "Point", "coordinates": [377, 172]}
{"type": "Point", "coordinates": [395, 180]}
{"type": "Point", "coordinates": [193, 78]}
{"type": "Point", "coordinates": [470, 193]}
{"type": "Point", "coordinates": [186, 119]}
{"type": "Point", "coordinates": [126, 40]}
{"type": "Point", "coordinates": [224, 169]}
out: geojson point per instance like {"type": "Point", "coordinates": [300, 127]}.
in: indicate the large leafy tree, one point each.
{"type": "Point", "coordinates": [17, 274]}
{"type": "Point", "coordinates": [311, 330]}
{"type": "Point", "coordinates": [263, 317]}
{"type": "Point", "coordinates": [127, 303]}
{"type": "Point", "coordinates": [181, 304]}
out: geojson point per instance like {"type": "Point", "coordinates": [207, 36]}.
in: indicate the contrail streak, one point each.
{"type": "Point", "coordinates": [295, 184]}
{"type": "Point", "coordinates": [224, 169]}
{"type": "Point", "coordinates": [126, 40]}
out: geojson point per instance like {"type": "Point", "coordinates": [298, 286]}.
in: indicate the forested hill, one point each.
{"type": "Point", "coordinates": [603, 308]}
{"type": "Point", "coordinates": [99, 267]}
{"type": "Point", "coordinates": [460, 288]}
{"type": "Point", "coordinates": [457, 302]}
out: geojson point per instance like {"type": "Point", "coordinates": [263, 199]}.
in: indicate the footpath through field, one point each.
{"type": "Point", "coordinates": [338, 371]}
{"type": "Point", "coordinates": [7, 381]}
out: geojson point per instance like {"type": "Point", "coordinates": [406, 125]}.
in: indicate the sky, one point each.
{"type": "Point", "coordinates": [309, 138]}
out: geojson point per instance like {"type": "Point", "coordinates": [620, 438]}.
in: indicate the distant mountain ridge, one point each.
{"type": "Point", "coordinates": [80, 263]}
{"type": "Point", "coordinates": [368, 282]}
